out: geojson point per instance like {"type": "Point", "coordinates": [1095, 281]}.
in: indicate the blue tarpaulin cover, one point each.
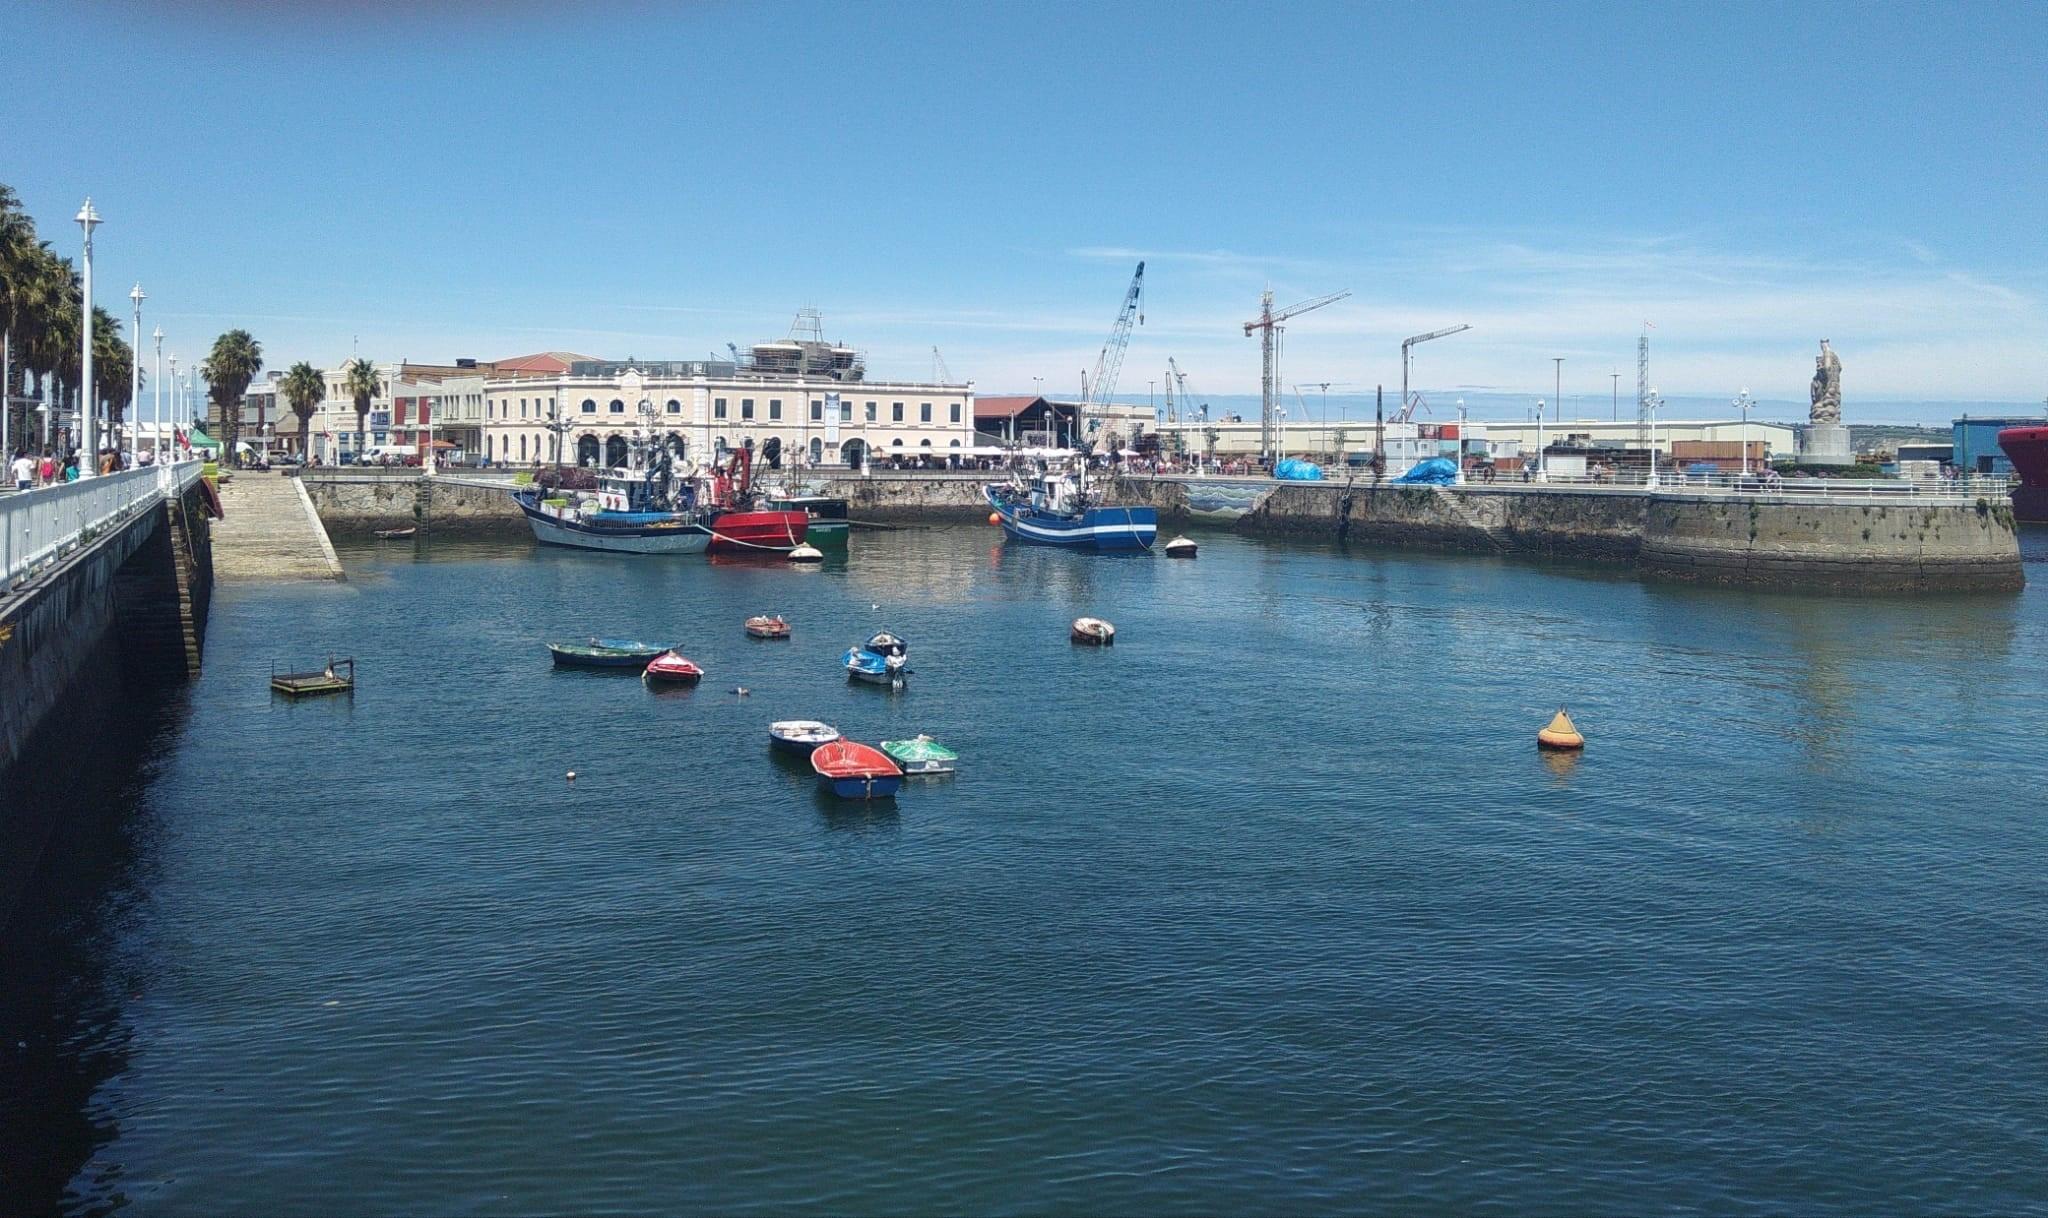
{"type": "Point", "coordinates": [1298, 471]}
{"type": "Point", "coordinates": [1437, 471]}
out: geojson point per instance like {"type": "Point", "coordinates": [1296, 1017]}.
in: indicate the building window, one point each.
{"type": "Point", "coordinates": [871, 412]}
{"type": "Point", "coordinates": [895, 443]}
{"type": "Point", "coordinates": [522, 448]}
{"type": "Point", "coordinates": [774, 408]}
{"type": "Point", "coordinates": [718, 409]}
{"type": "Point", "coordinates": [924, 412]}
{"type": "Point", "coordinates": [589, 407]}
{"type": "Point", "coordinates": [817, 410]}
{"type": "Point", "coordinates": [845, 411]}
{"type": "Point", "coordinates": [618, 407]}
{"type": "Point", "coordinates": [953, 443]}
{"type": "Point", "coordinates": [746, 408]}
{"type": "Point", "coordinates": [674, 407]}
{"type": "Point", "coordinates": [895, 412]}
{"type": "Point", "coordinates": [924, 443]}
{"type": "Point", "coordinates": [956, 413]}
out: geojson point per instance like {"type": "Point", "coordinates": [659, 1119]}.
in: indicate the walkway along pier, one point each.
{"type": "Point", "coordinates": [104, 586]}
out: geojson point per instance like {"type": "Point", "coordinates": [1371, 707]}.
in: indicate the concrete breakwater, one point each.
{"type": "Point", "coordinates": [1879, 544]}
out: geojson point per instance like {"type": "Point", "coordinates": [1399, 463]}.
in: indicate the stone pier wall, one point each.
{"type": "Point", "coordinates": [356, 505]}
{"type": "Point", "coordinates": [1877, 548]}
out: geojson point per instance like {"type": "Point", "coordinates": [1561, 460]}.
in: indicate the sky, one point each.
{"type": "Point", "coordinates": [430, 180]}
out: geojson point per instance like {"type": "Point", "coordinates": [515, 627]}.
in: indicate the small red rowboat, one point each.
{"type": "Point", "coordinates": [856, 771]}
{"type": "Point", "coordinates": [675, 668]}
{"type": "Point", "coordinates": [767, 627]}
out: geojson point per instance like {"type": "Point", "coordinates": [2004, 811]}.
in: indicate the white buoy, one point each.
{"type": "Point", "coordinates": [1180, 547]}
{"type": "Point", "coordinates": [572, 776]}
{"type": "Point", "coordinates": [806, 552]}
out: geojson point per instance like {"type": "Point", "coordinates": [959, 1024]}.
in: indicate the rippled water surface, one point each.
{"type": "Point", "coordinates": [1272, 907]}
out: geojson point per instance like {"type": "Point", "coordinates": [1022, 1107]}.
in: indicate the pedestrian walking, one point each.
{"type": "Point", "coordinates": [23, 469]}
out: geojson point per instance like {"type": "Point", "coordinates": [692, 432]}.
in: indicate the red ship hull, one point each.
{"type": "Point", "coordinates": [2027, 447]}
{"type": "Point", "coordinates": [753, 532]}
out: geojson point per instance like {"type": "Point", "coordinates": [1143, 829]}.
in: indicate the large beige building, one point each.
{"type": "Point", "coordinates": [810, 399]}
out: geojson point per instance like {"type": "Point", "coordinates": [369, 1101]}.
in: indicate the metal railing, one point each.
{"type": "Point", "coordinates": [37, 527]}
{"type": "Point", "coordinates": [1966, 488]}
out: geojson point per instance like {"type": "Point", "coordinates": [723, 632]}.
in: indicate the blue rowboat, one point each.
{"type": "Point", "coordinates": [855, 771]}
{"type": "Point", "coordinates": [875, 668]}
{"type": "Point", "coordinates": [800, 736]}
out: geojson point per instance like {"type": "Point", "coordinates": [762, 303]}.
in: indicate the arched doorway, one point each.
{"type": "Point", "coordinates": [851, 453]}
{"type": "Point", "coordinates": [678, 447]}
{"type": "Point", "coordinates": [615, 452]}
{"type": "Point", "coordinates": [586, 451]}
{"type": "Point", "coordinates": [817, 451]}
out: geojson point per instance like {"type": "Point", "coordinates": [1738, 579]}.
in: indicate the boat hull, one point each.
{"type": "Point", "coordinates": [573, 660]}
{"type": "Point", "coordinates": [1095, 528]}
{"type": "Point", "coordinates": [876, 678]}
{"type": "Point", "coordinates": [881, 787]}
{"type": "Point", "coordinates": [754, 532]}
{"type": "Point", "coordinates": [657, 537]}
{"type": "Point", "coordinates": [2027, 449]}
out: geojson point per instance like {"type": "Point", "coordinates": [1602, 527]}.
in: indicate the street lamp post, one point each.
{"type": "Point", "coordinates": [175, 415]}
{"type": "Point", "coordinates": [1651, 403]}
{"type": "Point", "coordinates": [1742, 403]}
{"type": "Point", "coordinates": [1542, 474]}
{"type": "Point", "coordinates": [156, 409]}
{"type": "Point", "coordinates": [89, 459]}
{"type": "Point", "coordinates": [135, 379]}
{"type": "Point", "coordinates": [1459, 455]}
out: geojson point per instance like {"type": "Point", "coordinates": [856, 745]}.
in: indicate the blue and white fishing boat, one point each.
{"type": "Point", "coordinates": [1054, 508]}
{"type": "Point", "coordinates": [650, 511]}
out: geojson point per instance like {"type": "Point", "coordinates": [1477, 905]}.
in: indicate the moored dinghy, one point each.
{"type": "Point", "coordinates": [922, 755]}
{"type": "Point", "coordinates": [883, 660]}
{"type": "Point", "coordinates": [674, 668]}
{"type": "Point", "coordinates": [852, 770]}
{"type": "Point", "coordinates": [1092, 631]}
{"type": "Point", "coordinates": [765, 627]}
{"type": "Point", "coordinates": [800, 736]}
{"type": "Point", "coordinates": [604, 653]}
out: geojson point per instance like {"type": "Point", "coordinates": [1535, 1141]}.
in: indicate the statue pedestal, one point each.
{"type": "Point", "coordinates": [1826, 444]}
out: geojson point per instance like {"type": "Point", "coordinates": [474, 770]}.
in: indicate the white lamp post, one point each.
{"type": "Point", "coordinates": [135, 379]}
{"type": "Point", "coordinates": [428, 407]}
{"type": "Point", "coordinates": [1652, 403]}
{"type": "Point", "coordinates": [89, 458]}
{"type": "Point", "coordinates": [174, 392]}
{"type": "Point", "coordinates": [156, 409]}
{"type": "Point", "coordinates": [1742, 403]}
{"type": "Point", "coordinates": [1459, 455]}
{"type": "Point", "coordinates": [1542, 474]}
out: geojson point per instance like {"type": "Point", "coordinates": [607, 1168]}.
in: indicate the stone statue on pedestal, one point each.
{"type": "Point", "coordinates": [1827, 386]}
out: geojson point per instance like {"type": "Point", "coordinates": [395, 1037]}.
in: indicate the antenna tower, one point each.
{"type": "Point", "coordinates": [1643, 390]}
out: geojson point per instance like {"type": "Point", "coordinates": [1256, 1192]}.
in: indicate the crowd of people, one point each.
{"type": "Point", "coordinates": [28, 470]}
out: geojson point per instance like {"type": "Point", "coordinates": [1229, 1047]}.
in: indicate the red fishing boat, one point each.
{"type": "Point", "coordinates": [856, 771]}
{"type": "Point", "coordinates": [730, 518]}
{"type": "Point", "coordinates": [2027, 447]}
{"type": "Point", "coordinates": [764, 627]}
{"type": "Point", "coordinates": [674, 668]}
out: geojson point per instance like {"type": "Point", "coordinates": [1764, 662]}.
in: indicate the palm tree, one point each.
{"type": "Point", "coordinates": [304, 389]}
{"type": "Point", "coordinates": [359, 377]}
{"type": "Point", "coordinates": [235, 360]}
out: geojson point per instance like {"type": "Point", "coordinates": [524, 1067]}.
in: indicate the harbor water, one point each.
{"type": "Point", "coordinates": [1271, 907]}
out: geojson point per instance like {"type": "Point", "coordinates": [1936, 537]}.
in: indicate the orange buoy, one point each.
{"type": "Point", "coordinates": [995, 517]}
{"type": "Point", "coordinates": [1560, 734]}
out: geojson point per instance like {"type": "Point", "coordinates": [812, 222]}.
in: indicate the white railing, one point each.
{"type": "Point", "coordinates": [38, 527]}
{"type": "Point", "coordinates": [1967, 488]}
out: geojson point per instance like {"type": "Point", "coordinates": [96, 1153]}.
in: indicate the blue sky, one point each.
{"type": "Point", "coordinates": [656, 179]}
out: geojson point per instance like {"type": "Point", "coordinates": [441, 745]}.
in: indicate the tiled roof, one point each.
{"type": "Point", "coordinates": [541, 361]}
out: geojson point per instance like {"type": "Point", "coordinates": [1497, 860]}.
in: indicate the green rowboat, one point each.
{"type": "Point", "coordinates": [922, 755]}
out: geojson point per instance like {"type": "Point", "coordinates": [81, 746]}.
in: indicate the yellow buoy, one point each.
{"type": "Point", "coordinates": [1560, 734]}
{"type": "Point", "coordinates": [995, 517]}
